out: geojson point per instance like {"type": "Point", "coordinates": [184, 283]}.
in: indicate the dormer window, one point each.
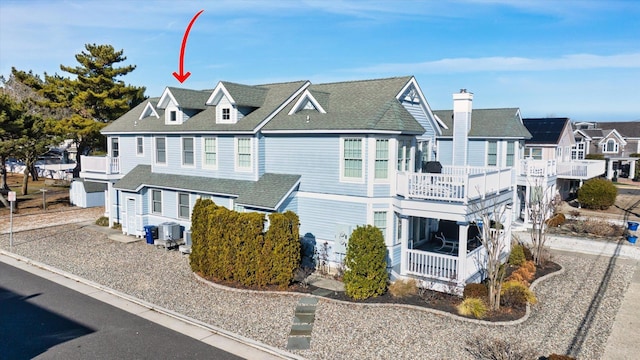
{"type": "Point", "coordinates": [226, 114]}
{"type": "Point", "coordinates": [611, 146]}
{"type": "Point", "coordinates": [173, 116]}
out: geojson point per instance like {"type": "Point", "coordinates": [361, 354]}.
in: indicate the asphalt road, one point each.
{"type": "Point", "coordinates": [43, 320]}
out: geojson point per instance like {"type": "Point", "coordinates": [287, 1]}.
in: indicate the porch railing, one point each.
{"type": "Point", "coordinates": [459, 184]}
{"type": "Point", "coordinates": [538, 168]}
{"type": "Point", "coordinates": [581, 169]}
{"type": "Point", "coordinates": [432, 265]}
{"type": "Point", "coordinates": [100, 164]}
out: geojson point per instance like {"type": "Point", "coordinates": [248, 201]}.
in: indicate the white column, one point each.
{"type": "Point", "coordinates": [404, 240]}
{"type": "Point", "coordinates": [609, 169]}
{"type": "Point", "coordinates": [463, 228]}
{"type": "Point", "coordinates": [527, 196]}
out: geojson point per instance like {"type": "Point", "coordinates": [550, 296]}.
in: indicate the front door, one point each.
{"type": "Point", "coordinates": [131, 216]}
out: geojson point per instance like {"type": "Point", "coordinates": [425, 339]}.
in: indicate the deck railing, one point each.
{"type": "Point", "coordinates": [432, 265]}
{"type": "Point", "coordinates": [100, 164]}
{"type": "Point", "coordinates": [538, 168]}
{"type": "Point", "coordinates": [459, 184]}
{"type": "Point", "coordinates": [581, 169]}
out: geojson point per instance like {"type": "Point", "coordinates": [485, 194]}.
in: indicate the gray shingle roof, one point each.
{"type": "Point", "coordinates": [246, 95]}
{"type": "Point", "coordinates": [204, 121]}
{"type": "Point", "coordinates": [91, 186]}
{"type": "Point", "coordinates": [488, 123]}
{"type": "Point", "coordinates": [266, 193]}
{"type": "Point", "coordinates": [352, 105]}
{"type": "Point", "coordinates": [190, 99]}
{"type": "Point", "coordinates": [625, 128]}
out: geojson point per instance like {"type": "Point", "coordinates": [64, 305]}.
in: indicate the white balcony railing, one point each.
{"type": "Point", "coordinates": [459, 184]}
{"type": "Point", "coordinates": [538, 168]}
{"type": "Point", "coordinates": [581, 169]}
{"type": "Point", "coordinates": [100, 164]}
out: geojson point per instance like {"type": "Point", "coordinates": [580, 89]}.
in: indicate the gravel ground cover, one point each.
{"type": "Point", "coordinates": [574, 315]}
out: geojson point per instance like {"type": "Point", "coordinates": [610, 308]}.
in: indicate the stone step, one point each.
{"type": "Point", "coordinates": [304, 315]}
{"type": "Point", "coordinates": [301, 330]}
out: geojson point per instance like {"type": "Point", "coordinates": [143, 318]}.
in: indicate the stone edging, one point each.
{"type": "Point", "coordinates": [412, 307]}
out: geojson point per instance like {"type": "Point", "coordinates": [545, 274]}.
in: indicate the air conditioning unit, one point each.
{"type": "Point", "coordinates": [187, 237]}
{"type": "Point", "coordinates": [169, 231]}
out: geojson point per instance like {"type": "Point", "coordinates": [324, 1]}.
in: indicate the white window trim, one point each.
{"type": "Point", "coordinates": [385, 231]}
{"type": "Point", "coordinates": [389, 160]}
{"type": "Point", "coordinates": [139, 153]}
{"type": "Point", "coordinates": [193, 150]}
{"type": "Point", "coordinates": [178, 204]}
{"type": "Point", "coordinates": [204, 154]}
{"type": "Point", "coordinates": [615, 146]}
{"type": "Point", "coordinates": [111, 146]}
{"type": "Point", "coordinates": [359, 180]}
{"type": "Point", "coordinates": [151, 200]}
{"type": "Point", "coordinates": [236, 166]}
{"type": "Point", "coordinates": [497, 154]}
{"type": "Point", "coordinates": [155, 151]}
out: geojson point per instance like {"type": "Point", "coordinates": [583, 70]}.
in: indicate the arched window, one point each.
{"type": "Point", "coordinates": [610, 147]}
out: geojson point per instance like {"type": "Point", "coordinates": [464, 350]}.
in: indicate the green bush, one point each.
{"type": "Point", "coordinates": [366, 274]}
{"type": "Point", "coordinates": [472, 307]}
{"type": "Point", "coordinates": [475, 290]}
{"type": "Point", "coordinates": [232, 246]}
{"type": "Point", "coordinates": [517, 258]}
{"type": "Point", "coordinates": [598, 194]}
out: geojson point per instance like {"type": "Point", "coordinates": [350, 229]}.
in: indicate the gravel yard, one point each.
{"type": "Point", "coordinates": [575, 312]}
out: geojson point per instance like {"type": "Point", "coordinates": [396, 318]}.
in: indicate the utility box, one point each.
{"type": "Point", "coordinates": [169, 231]}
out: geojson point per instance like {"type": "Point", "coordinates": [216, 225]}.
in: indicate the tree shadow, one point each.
{"type": "Point", "coordinates": [28, 330]}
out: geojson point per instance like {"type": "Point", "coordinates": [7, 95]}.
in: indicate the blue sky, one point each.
{"type": "Point", "coordinates": [577, 59]}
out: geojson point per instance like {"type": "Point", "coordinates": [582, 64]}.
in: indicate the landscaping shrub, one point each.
{"type": "Point", "coordinates": [403, 288]}
{"type": "Point", "coordinates": [366, 274]}
{"type": "Point", "coordinates": [497, 349]}
{"type": "Point", "coordinates": [556, 220]}
{"type": "Point", "coordinates": [524, 273]}
{"type": "Point", "coordinates": [516, 258]}
{"type": "Point", "coordinates": [596, 227]}
{"type": "Point", "coordinates": [102, 221]}
{"type": "Point", "coordinates": [473, 307]}
{"type": "Point", "coordinates": [475, 290]}
{"type": "Point", "coordinates": [598, 194]}
{"type": "Point", "coordinates": [516, 294]}
{"type": "Point", "coordinates": [281, 253]}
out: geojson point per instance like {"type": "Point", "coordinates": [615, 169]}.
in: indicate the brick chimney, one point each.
{"type": "Point", "coordinates": [462, 104]}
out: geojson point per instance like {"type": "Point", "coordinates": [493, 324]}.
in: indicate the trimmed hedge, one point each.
{"type": "Point", "coordinates": [598, 194]}
{"type": "Point", "coordinates": [232, 246]}
{"type": "Point", "coordinates": [366, 262]}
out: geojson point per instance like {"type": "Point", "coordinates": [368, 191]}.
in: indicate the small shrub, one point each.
{"type": "Point", "coordinates": [594, 157]}
{"type": "Point", "coordinates": [596, 227]}
{"type": "Point", "coordinates": [516, 294]}
{"type": "Point", "coordinates": [474, 307]}
{"type": "Point", "coordinates": [366, 262]}
{"type": "Point", "coordinates": [475, 290]}
{"type": "Point", "coordinates": [517, 258]}
{"type": "Point", "coordinates": [597, 194]}
{"type": "Point", "coordinates": [556, 220]}
{"type": "Point", "coordinates": [117, 226]}
{"type": "Point", "coordinates": [498, 349]}
{"type": "Point", "coordinates": [524, 273]}
{"type": "Point", "coordinates": [403, 288]}
{"type": "Point", "coordinates": [102, 221]}
{"type": "Point", "coordinates": [530, 266]}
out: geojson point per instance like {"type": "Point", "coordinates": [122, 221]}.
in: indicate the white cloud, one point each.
{"type": "Point", "coordinates": [502, 64]}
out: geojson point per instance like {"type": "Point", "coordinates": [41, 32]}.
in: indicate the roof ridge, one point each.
{"type": "Point", "coordinates": [365, 80]}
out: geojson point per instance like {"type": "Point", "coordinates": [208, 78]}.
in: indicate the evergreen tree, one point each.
{"type": "Point", "coordinates": [366, 262]}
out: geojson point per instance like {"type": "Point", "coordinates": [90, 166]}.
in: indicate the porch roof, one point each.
{"type": "Point", "coordinates": [266, 193]}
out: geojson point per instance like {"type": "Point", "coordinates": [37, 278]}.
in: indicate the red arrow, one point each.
{"type": "Point", "coordinates": [182, 76]}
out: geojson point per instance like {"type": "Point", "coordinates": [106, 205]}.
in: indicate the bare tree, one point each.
{"type": "Point", "coordinates": [494, 238]}
{"type": "Point", "coordinates": [542, 205]}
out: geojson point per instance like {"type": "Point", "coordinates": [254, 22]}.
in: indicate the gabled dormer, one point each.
{"type": "Point", "coordinates": [311, 100]}
{"type": "Point", "coordinates": [234, 101]}
{"type": "Point", "coordinates": [181, 104]}
{"type": "Point", "coordinates": [148, 110]}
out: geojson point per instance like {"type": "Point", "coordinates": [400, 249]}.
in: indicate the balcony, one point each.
{"type": "Point", "coordinates": [538, 168]}
{"type": "Point", "coordinates": [455, 183]}
{"type": "Point", "coordinates": [100, 167]}
{"type": "Point", "coordinates": [581, 169]}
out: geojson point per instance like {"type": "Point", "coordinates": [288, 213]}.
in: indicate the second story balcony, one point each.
{"type": "Point", "coordinates": [537, 168]}
{"type": "Point", "coordinates": [100, 167]}
{"type": "Point", "coordinates": [455, 183]}
{"type": "Point", "coordinates": [581, 169]}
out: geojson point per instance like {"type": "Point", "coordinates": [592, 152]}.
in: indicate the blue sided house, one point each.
{"type": "Point", "coordinates": [338, 154]}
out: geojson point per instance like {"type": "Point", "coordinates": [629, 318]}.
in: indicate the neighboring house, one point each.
{"type": "Point", "coordinates": [339, 155]}
{"type": "Point", "coordinates": [616, 141]}
{"type": "Point", "coordinates": [550, 151]}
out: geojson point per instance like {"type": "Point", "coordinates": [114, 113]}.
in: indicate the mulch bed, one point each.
{"type": "Point", "coordinates": [428, 299]}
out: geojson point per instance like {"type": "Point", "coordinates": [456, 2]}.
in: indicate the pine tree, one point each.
{"type": "Point", "coordinates": [366, 274]}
